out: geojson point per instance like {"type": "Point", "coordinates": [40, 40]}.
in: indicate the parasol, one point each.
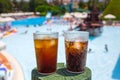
{"type": "Point", "coordinates": [110, 16]}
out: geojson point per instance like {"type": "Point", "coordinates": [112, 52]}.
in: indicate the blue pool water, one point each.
{"type": "Point", "coordinates": [29, 21]}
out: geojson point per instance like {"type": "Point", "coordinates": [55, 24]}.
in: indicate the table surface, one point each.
{"type": "Point", "coordinates": [62, 74]}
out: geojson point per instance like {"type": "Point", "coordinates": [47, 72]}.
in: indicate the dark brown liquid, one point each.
{"type": "Point", "coordinates": [76, 55]}
{"type": "Point", "coordinates": [46, 55]}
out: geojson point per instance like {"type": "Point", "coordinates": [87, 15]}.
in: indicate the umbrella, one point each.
{"type": "Point", "coordinates": [7, 19]}
{"type": "Point", "coordinates": [4, 14]}
{"type": "Point", "coordinates": [1, 18]}
{"type": "Point", "coordinates": [67, 15]}
{"type": "Point", "coordinates": [109, 16]}
{"type": "Point", "coordinates": [80, 15]}
{"type": "Point", "coordinates": [84, 15]}
{"type": "Point", "coordinates": [77, 14]}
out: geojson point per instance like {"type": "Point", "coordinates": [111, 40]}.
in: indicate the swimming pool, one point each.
{"type": "Point", "coordinates": [29, 21]}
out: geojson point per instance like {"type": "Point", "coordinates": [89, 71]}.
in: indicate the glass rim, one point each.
{"type": "Point", "coordinates": [74, 32]}
{"type": "Point", "coordinates": [45, 33]}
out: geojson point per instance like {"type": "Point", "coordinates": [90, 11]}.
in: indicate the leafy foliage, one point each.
{"type": "Point", "coordinates": [43, 9]}
{"type": "Point", "coordinates": [81, 4]}
{"type": "Point", "coordinates": [5, 6]}
{"type": "Point", "coordinates": [24, 6]}
{"type": "Point", "coordinates": [113, 8]}
{"type": "Point", "coordinates": [35, 3]}
{"type": "Point", "coordinates": [32, 5]}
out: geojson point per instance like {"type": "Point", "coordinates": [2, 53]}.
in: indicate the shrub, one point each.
{"type": "Point", "coordinates": [43, 9]}
{"type": "Point", "coordinates": [56, 10]}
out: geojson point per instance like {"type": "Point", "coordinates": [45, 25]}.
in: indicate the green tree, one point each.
{"type": "Point", "coordinates": [40, 2]}
{"type": "Point", "coordinates": [23, 5]}
{"type": "Point", "coordinates": [32, 5]}
{"type": "Point", "coordinates": [5, 6]}
{"type": "Point", "coordinates": [95, 3]}
{"type": "Point", "coordinates": [101, 6]}
{"type": "Point", "coordinates": [113, 8]}
{"type": "Point", "coordinates": [43, 9]}
{"type": "Point", "coordinates": [106, 2]}
{"type": "Point", "coordinates": [81, 4]}
{"type": "Point", "coordinates": [35, 3]}
{"type": "Point", "coordinates": [15, 5]}
{"type": "Point", "coordinates": [90, 4]}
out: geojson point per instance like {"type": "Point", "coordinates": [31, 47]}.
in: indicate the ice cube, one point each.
{"type": "Point", "coordinates": [47, 37]}
{"type": "Point", "coordinates": [52, 42]}
{"type": "Point", "coordinates": [77, 45]}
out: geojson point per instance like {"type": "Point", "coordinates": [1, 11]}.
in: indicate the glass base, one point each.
{"type": "Point", "coordinates": [75, 72]}
{"type": "Point", "coordinates": [46, 73]}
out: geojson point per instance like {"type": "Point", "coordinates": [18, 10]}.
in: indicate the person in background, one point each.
{"type": "Point", "coordinates": [106, 48]}
{"type": "Point", "coordinates": [8, 25]}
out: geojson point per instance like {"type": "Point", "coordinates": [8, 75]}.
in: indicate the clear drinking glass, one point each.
{"type": "Point", "coordinates": [46, 47]}
{"type": "Point", "coordinates": [76, 43]}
